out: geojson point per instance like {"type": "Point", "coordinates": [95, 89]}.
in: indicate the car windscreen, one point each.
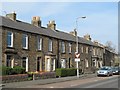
{"type": "Point", "coordinates": [104, 69]}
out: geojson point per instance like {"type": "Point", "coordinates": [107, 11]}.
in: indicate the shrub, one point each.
{"type": "Point", "coordinates": [6, 70]}
{"type": "Point", "coordinates": [18, 70]}
{"type": "Point", "coordinates": [12, 71]}
{"type": "Point", "coordinates": [62, 72]}
{"type": "Point", "coordinates": [71, 72]}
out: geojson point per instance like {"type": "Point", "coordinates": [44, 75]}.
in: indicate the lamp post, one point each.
{"type": "Point", "coordinates": [83, 17]}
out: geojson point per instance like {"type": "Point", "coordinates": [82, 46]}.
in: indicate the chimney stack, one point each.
{"type": "Point", "coordinates": [74, 33]}
{"type": "Point", "coordinates": [36, 21]}
{"type": "Point", "coordinates": [51, 25]}
{"type": "Point", "coordinates": [96, 42]}
{"type": "Point", "coordinates": [11, 16]}
{"type": "Point", "coordinates": [87, 37]}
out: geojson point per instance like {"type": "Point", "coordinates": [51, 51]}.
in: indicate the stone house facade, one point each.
{"type": "Point", "coordinates": [37, 48]}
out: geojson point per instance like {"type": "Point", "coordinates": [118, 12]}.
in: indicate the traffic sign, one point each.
{"type": "Point", "coordinates": [77, 59]}
{"type": "Point", "coordinates": [77, 55]}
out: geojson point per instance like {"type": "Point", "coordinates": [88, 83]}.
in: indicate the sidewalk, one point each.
{"type": "Point", "coordinates": [46, 81]}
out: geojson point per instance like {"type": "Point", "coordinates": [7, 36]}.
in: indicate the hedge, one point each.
{"type": "Point", "coordinates": [62, 72]}
{"type": "Point", "coordinates": [12, 71]}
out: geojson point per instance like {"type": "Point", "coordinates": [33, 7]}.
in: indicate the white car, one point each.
{"type": "Point", "coordinates": [105, 71]}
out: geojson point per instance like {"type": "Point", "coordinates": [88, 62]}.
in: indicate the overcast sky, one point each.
{"type": "Point", "coordinates": [101, 17]}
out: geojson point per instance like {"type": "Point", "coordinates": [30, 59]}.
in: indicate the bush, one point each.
{"type": "Point", "coordinates": [18, 70]}
{"type": "Point", "coordinates": [62, 72]}
{"type": "Point", "coordinates": [12, 71]}
{"type": "Point", "coordinates": [6, 70]}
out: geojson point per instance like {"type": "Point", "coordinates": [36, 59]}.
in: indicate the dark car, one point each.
{"type": "Point", "coordinates": [116, 70]}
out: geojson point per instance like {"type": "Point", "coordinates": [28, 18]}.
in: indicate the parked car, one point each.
{"type": "Point", "coordinates": [105, 71]}
{"type": "Point", "coordinates": [116, 70]}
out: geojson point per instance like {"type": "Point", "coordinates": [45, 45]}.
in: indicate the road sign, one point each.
{"type": "Point", "coordinates": [77, 55]}
{"type": "Point", "coordinates": [77, 59]}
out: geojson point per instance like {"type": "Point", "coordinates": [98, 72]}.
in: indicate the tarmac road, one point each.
{"type": "Point", "coordinates": [95, 82]}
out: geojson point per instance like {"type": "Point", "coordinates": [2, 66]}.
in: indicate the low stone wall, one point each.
{"type": "Point", "coordinates": [44, 75]}
{"type": "Point", "coordinates": [14, 78]}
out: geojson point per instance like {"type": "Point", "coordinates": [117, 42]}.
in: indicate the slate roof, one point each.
{"type": "Point", "coordinates": [19, 25]}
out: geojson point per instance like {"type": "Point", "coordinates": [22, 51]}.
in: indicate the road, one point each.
{"type": "Point", "coordinates": [95, 82]}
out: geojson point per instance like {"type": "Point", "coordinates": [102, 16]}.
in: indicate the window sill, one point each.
{"type": "Point", "coordinates": [10, 47]}
{"type": "Point", "coordinates": [25, 49]}
{"type": "Point", "coordinates": [39, 50]}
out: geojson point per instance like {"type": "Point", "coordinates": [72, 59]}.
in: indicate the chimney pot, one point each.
{"type": "Point", "coordinates": [11, 16]}
{"type": "Point", "coordinates": [51, 25]}
{"type": "Point", "coordinates": [87, 37]}
{"type": "Point", "coordinates": [36, 21]}
{"type": "Point", "coordinates": [74, 33]}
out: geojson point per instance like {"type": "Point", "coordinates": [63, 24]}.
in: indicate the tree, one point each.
{"type": "Point", "coordinates": [111, 46]}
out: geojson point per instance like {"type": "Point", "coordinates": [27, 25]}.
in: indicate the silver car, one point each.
{"type": "Point", "coordinates": [105, 71]}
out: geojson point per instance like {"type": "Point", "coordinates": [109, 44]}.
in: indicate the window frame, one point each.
{"type": "Point", "coordinates": [39, 43]}
{"type": "Point", "coordinates": [50, 45]}
{"type": "Point", "coordinates": [11, 38]}
{"type": "Point", "coordinates": [70, 48]}
{"type": "Point", "coordinates": [25, 36]}
{"type": "Point", "coordinates": [63, 47]}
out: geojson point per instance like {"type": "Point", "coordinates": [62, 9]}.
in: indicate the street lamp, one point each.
{"type": "Point", "coordinates": [83, 17]}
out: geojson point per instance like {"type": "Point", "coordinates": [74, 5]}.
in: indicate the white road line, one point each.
{"type": "Point", "coordinates": [51, 87]}
{"type": "Point", "coordinates": [95, 80]}
{"type": "Point", "coordinates": [73, 85]}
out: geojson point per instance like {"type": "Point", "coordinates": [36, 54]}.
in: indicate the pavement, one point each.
{"type": "Point", "coordinates": [45, 81]}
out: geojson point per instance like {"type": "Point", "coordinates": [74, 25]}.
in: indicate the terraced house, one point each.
{"type": "Point", "coordinates": [38, 48]}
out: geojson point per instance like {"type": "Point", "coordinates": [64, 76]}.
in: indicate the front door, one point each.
{"type": "Point", "coordinates": [38, 64]}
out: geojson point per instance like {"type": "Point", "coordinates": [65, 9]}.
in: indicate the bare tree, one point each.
{"type": "Point", "coordinates": [111, 46]}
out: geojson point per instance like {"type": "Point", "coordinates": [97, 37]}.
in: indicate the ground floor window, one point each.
{"type": "Point", "coordinates": [63, 63]}
{"type": "Point", "coordinates": [9, 61]}
{"type": "Point", "coordinates": [94, 63]}
{"type": "Point", "coordinates": [25, 63]}
{"type": "Point", "coordinates": [50, 64]}
{"type": "Point", "coordinates": [86, 63]}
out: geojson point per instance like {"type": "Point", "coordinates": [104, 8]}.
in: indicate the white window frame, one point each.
{"type": "Point", "coordinates": [63, 46]}
{"type": "Point", "coordinates": [26, 61]}
{"type": "Point", "coordinates": [11, 42]}
{"type": "Point", "coordinates": [70, 47]}
{"type": "Point", "coordinates": [26, 43]}
{"type": "Point", "coordinates": [39, 43]}
{"type": "Point", "coordinates": [94, 51]}
{"type": "Point", "coordinates": [63, 63]}
{"type": "Point", "coordinates": [86, 63]}
{"type": "Point", "coordinates": [86, 49]}
{"type": "Point", "coordinates": [50, 44]}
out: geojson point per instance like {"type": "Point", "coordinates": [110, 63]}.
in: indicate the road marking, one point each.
{"type": "Point", "coordinates": [73, 85]}
{"type": "Point", "coordinates": [95, 80]}
{"type": "Point", "coordinates": [51, 87]}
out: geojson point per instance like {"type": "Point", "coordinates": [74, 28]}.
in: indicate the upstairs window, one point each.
{"type": "Point", "coordinates": [39, 43]}
{"type": "Point", "coordinates": [86, 49]}
{"type": "Point", "coordinates": [25, 41]}
{"type": "Point", "coordinates": [94, 51]}
{"type": "Point", "coordinates": [81, 49]}
{"type": "Point", "coordinates": [50, 45]}
{"type": "Point", "coordinates": [9, 39]}
{"type": "Point", "coordinates": [70, 47]}
{"type": "Point", "coordinates": [63, 47]}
